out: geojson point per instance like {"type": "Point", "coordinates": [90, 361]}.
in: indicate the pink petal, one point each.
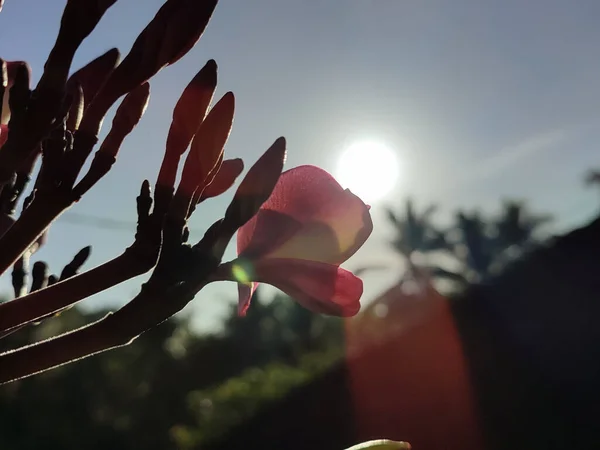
{"type": "Point", "coordinates": [319, 287]}
{"type": "Point", "coordinates": [266, 231]}
{"type": "Point", "coordinates": [337, 223]}
{"type": "Point", "coordinates": [245, 292]}
{"type": "Point", "coordinates": [303, 191]}
{"type": "Point", "coordinates": [224, 179]}
{"type": "Point", "coordinates": [331, 232]}
{"type": "Point", "coordinates": [336, 232]}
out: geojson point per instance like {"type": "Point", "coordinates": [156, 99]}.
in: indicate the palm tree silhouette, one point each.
{"type": "Point", "coordinates": [483, 246]}
{"type": "Point", "coordinates": [416, 234]}
{"type": "Point", "coordinates": [480, 245]}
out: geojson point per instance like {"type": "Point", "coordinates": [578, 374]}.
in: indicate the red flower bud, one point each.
{"type": "Point", "coordinates": [93, 75]}
{"type": "Point", "coordinates": [126, 118]}
{"type": "Point", "coordinates": [75, 93]}
{"type": "Point", "coordinates": [206, 152]}
{"type": "Point", "coordinates": [257, 186]}
{"type": "Point", "coordinates": [80, 17]}
{"type": "Point", "coordinates": [12, 70]}
{"type": "Point", "coordinates": [188, 24]}
{"type": "Point", "coordinates": [131, 110]}
{"type": "Point", "coordinates": [188, 114]}
{"type": "Point", "coordinates": [173, 31]}
{"type": "Point", "coordinates": [223, 178]}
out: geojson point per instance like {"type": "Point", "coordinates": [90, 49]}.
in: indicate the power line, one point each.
{"type": "Point", "coordinates": [103, 223]}
{"type": "Point", "coordinates": [89, 220]}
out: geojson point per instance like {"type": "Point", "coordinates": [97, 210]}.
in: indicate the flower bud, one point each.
{"type": "Point", "coordinates": [257, 186]}
{"type": "Point", "coordinates": [16, 72]}
{"type": "Point", "coordinates": [75, 94]}
{"type": "Point", "coordinates": [131, 110]}
{"type": "Point", "coordinates": [173, 31]}
{"type": "Point", "coordinates": [93, 75]}
{"type": "Point", "coordinates": [80, 17]}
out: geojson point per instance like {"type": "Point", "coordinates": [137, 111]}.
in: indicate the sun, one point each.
{"type": "Point", "coordinates": [369, 169]}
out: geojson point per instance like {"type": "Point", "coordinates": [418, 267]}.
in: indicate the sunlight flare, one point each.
{"type": "Point", "coordinates": [369, 169]}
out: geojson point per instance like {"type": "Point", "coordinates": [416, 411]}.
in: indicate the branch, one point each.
{"type": "Point", "coordinates": [63, 294]}
{"type": "Point", "coordinates": [30, 225]}
{"type": "Point", "coordinates": [146, 310]}
{"type": "Point", "coordinates": [182, 271]}
{"type": "Point", "coordinates": [44, 108]}
{"type": "Point", "coordinates": [77, 344]}
{"type": "Point", "coordinates": [136, 260]}
{"type": "Point", "coordinates": [59, 171]}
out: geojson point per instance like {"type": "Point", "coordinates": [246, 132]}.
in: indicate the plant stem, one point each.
{"type": "Point", "coordinates": [77, 344]}
{"type": "Point", "coordinates": [30, 225]}
{"type": "Point", "coordinates": [150, 307]}
{"type": "Point", "coordinates": [52, 299]}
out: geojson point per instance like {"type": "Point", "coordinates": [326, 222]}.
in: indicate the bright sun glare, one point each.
{"type": "Point", "coordinates": [369, 169]}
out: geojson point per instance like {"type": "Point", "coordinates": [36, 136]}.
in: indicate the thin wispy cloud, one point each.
{"type": "Point", "coordinates": [514, 154]}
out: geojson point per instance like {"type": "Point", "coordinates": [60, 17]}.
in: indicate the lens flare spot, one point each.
{"type": "Point", "coordinates": [240, 273]}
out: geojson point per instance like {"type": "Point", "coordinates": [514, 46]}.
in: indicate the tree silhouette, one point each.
{"type": "Point", "coordinates": [480, 245]}
{"type": "Point", "coordinates": [415, 234]}
{"type": "Point", "coordinates": [484, 245]}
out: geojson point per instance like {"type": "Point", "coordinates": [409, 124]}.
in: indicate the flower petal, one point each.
{"type": "Point", "coordinates": [266, 231]}
{"type": "Point", "coordinates": [319, 287]}
{"type": "Point", "coordinates": [336, 222]}
{"type": "Point", "coordinates": [336, 232]}
{"type": "Point", "coordinates": [245, 293]}
{"type": "Point", "coordinates": [302, 192]}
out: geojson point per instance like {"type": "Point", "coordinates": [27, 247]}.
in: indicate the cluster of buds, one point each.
{"type": "Point", "coordinates": [294, 229]}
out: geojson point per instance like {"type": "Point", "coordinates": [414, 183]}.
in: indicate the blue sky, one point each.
{"type": "Point", "coordinates": [481, 99]}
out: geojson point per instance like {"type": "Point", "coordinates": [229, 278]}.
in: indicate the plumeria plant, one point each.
{"type": "Point", "coordinates": [294, 229]}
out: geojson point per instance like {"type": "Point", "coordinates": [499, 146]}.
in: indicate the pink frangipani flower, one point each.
{"type": "Point", "coordinates": [297, 241]}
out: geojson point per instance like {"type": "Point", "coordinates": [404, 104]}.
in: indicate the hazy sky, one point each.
{"type": "Point", "coordinates": [481, 99]}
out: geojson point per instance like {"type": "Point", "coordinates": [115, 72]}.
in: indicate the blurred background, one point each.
{"type": "Point", "coordinates": [469, 126]}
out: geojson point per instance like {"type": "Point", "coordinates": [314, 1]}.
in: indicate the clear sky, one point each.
{"type": "Point", "coordinates": [482, 100]}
